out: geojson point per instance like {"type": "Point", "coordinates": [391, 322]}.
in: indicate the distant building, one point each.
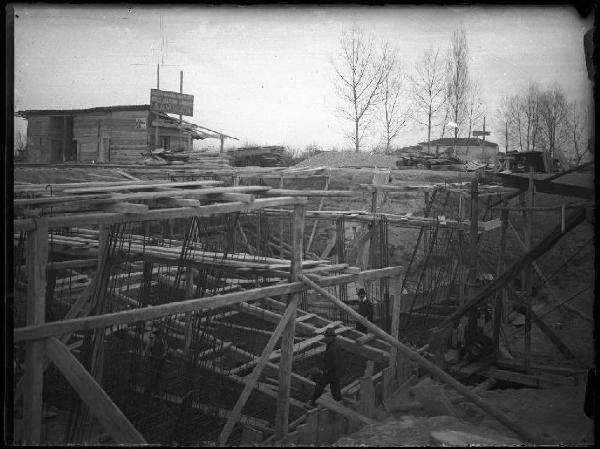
{"type": "Point", "coordinates": [112, 134]}
{"type": "Point", "coordinates": [464, 148]}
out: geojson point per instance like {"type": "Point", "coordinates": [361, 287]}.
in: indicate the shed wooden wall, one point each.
{"type": "Point", "coordinates": [116, 137]}
{"type": "Point", "coordinates": [45, 139]}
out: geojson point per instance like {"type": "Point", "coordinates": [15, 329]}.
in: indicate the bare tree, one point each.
{"type": "Point", "coordinates": [393, 113]}
{"type": "Point", "coordinates": [553, 114]}
{"type": "Point", "coordinates": [503, 116]}
{"type": "Point", "coordinates": [524, 117]}
{"type": "Point", "coordinates": [474, 106]}
{"type": "Point", "coordinates": [20, 145]}
{"type": "Point", "coordinates": [457, 82]}
{"type": "Point", "coordinates": [575, 129]}
{"type": "Point", "coordinates": [359, 78]}
{"type": "Point", "coordinates": [428, 90]}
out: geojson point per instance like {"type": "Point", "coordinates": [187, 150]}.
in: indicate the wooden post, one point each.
{"type": "Point", "coordinates": [500, 295]}
{"type": "Point", "coordinates": [281, 223]}
{"type": "Point", "coordinates": [252, 380]}
{"type": "Point", "coordinates": [314, 228]}
{"type": "Point", "coordinates": [222, 138]}
{"type": "Point", "coordinates": [287, 339]}
{"type": "Point", "coordinates": [374, 200]}
{"type": "Point", "coordinates": [189, 294]}
{"type": "Point", "coordinates": [426, 364]}
{"type": "Point", "coordinates": [528, 271]}
{"type": "Point", "coordinates": [180, 116]}
{"type": "Point", "coordinates": [64, 143]}
{"type": "Point", "coordinates": [474, 234]}
{"type": "Point", "coordinates": [394, 328]}
{"type": "Point", "coordinates": [156, 114]}
{"type": "Point", "coordinates": [37, 257]}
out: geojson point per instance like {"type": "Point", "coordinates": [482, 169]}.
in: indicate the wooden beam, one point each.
{"type": "Point", "coordinates": [36, 258]}
{"type": "Point", "coordinates": [125, 208]}
{"type": "Point", "coordinates": [210, 210]}
{"type": "Point", "coordinates": [426, 364]}
{"type": "Point", "coordinates": [56, 328]}
{"type": "Point", "coordinates": [178, 202]}
{"type": "Point", "coordinates": [137, 186]}
{"type": "Point", "coordinates": [102, 407]}
{"type": "Point", "coordinates": [253, 378]}
{"type": "Point", "coordinates": [538, 250]}
{"type": "Point", "coordinates": [549, 287]}
{"type": "Point", "coordinates": [235, 196]}
{"type": "Point", "coordinates": [315, 193]}
{"type": "Point", "coordinates": [287, 339]}
{"type": "Point", "coordinates": [314, 228]}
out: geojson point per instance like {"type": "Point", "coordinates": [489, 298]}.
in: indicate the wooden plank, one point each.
{"type": "Point", "coordinates": [253, 378]}
{"type": "Point", "coordinates": [137, 186]}
{"type": "Point", "coordinates": [315, 193]}
{"type": "Point", "coordinates": [426, 364]}
{"type": "Point", "coordinates": [99, 403]}
{"type": "Point", "coordinates": [178, 202]}
{"type": "Point", "coordinates": [366, 338]}
{"type": "Point", "coordinates": [124, 208]}
{"type": "Point", "coordinates": [533, 380]}
{"type": "Point", "coordinates": [322, 330]}
{"type": "Point", "coordinates": [36, 258]}
{"type": "Point", "coordinates": [210, 210]}
{"type": "Point", "coordinates": [337, 407]}
{"type": "Point", "coordinates": [235, 196]}
{"type": "Point", "coordinates": [306, 317]}
{"type": "Point", "coordinates": [287, 339]}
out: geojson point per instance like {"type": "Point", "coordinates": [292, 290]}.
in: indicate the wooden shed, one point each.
{"type": "Point", "coordinates": [112, 134]}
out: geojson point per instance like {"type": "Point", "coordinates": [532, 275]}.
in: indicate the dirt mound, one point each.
{"type": "Point", "coordinates": [416, 431]}
{"type": "Point", "coordinates": [338, 159]}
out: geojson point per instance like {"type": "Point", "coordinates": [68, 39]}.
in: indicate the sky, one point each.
{"type": "Point", "coordinates": [264, 74]}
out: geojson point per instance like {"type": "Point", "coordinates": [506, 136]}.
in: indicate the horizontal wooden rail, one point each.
{"type": "Point", "coordinates": [57, 328]}
{"type": "Point", "coordinates": [86, 219]}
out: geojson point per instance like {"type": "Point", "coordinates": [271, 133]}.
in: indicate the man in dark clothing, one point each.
{"type": "Point", "coordinates": [365, 308]}
{"type": "Point", "coordinates": [333, 369]}
{"type": "Point", "coordinates": [157, 352]}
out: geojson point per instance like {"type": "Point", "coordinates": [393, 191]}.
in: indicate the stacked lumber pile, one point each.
{"type": "Point", "coordinates": [271, 156]}
{"type": "Point", "coordinates": [209, 160]}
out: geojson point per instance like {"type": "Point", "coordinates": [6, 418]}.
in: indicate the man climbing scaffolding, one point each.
{"type": "Point", "coordinates": [333, 369]}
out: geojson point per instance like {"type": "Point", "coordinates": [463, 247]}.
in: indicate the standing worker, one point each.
{"type": "Point", "coordinates": [365, 308]}
{"type": "Point", "coordinates": [157, 353]}
{"type": "Point", "coordinates": [333, 369]}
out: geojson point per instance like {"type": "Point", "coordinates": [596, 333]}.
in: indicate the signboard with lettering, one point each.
{"type": "Point", "coordinates": [481, 133]}
{"type": "Point", "coordinates": [171, 102]}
